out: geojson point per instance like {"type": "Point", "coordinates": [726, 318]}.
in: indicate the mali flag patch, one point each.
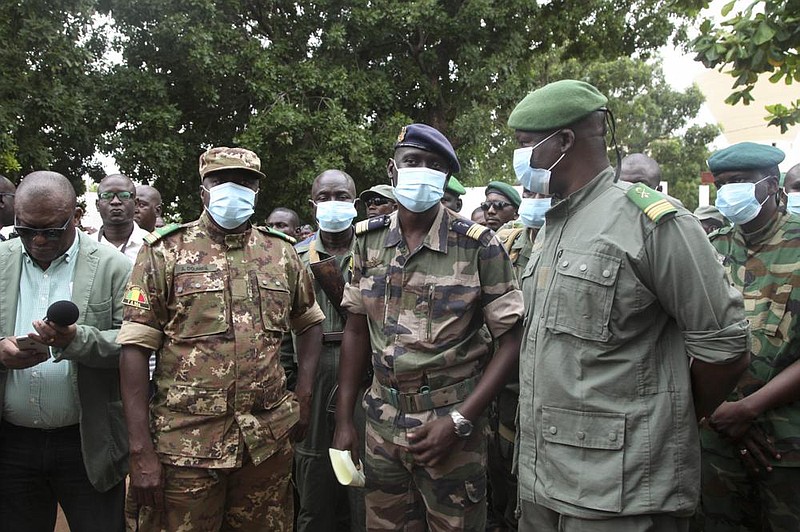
{"type": "Point", "coordinates": [137, 298]}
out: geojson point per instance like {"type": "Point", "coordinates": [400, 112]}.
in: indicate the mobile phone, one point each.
{"type": "Point", "coordinates": [28, 343]}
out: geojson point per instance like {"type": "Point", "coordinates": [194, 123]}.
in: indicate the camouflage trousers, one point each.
{"type": "Point", "coordinates": [246, 499]}
{"type": "Point", "coordinates": [404, 496]}
{"type": "Point", "coordinates": [734, 500]}
{"type": "Point", "coordinates": [537, 518]}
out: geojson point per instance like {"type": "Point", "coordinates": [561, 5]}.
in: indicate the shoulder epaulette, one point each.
{"type": "Point", "coordinates": [471, 229]}
{"type": "Point", "coordinates": [305, 243]}
{"type": "Point", "coordinates": [275, 232]}
{"type": "Point", "coordinates": [653, 203]}
{"type": "Point", "coordinates": [160, 233]}
{"type": "Point", "coordinates": [371, 224]}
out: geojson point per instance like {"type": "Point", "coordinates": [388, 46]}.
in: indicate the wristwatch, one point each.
{"type": "Point", "coordinates": [463, 426]}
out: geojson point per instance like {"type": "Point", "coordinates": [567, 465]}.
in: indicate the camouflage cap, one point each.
{"type": "Point", "coordinates": [556, 105]}
{"type": "Point", "coordinates": [222, 158]}
{"type": "Point", "coordinates": [378, 190]}
{"type": "Point", "coordinates": [745, 156]}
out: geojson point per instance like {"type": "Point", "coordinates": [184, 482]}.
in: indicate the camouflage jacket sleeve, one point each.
{"type": "Point", "coordinates": [352, 300]}
{"type": "Point", "coordinates": [146, 298]}
{"type": "Point", "coordinates": [305, 311]}
{"type": "Point", "coordinates": [708, 310]}
{"type": "Point", "coordinates": [500, 295]}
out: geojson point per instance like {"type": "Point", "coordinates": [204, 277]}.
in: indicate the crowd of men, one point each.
{"type": "Point", "coordinates": [585, 356]}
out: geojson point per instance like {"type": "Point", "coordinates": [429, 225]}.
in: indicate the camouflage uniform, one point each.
{"type": "Point", "coordinates": [516, 239]}
{"type": "Point", "coordinates": [323, 501]}
{"type": "Point", "coordinates": [424, 311]}
{"type": "Point", "coordinates": [606, 426]}
{"type": "Point", "coordinates": [764, 267]}
{"type": "Point", "coordinates": [215, 306]}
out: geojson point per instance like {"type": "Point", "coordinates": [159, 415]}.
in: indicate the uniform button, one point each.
{"type": "Point", "coordinates": [581, 435]}
{"type": "Point", "coordinates": [582, 267]}
{"type": "Point", "coordinates": [197, 285]}
{"type": "Point", "coordinates": [565, 264]}
{"type": "Point", "coordinates": [553, 430]}
{"type": "Point", "coordinates": [32, 400]}
{"type": "Point", "coordinates": [36, 422]}
{"type": "Point", "coordinates": [612, 436]}
{"type": "Point", "coordinates": [180, 289]}
{"type": "Point", "coordinates": [34, 374]}
{"type": "Point", "coordinates": [606, 273]}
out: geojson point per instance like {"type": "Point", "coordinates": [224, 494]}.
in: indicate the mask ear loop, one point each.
{"type": "Point", "coordinates": [612, 126]}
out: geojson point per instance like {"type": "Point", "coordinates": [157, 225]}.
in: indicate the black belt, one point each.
{"type": "Point", "coordinates": [7, 425]}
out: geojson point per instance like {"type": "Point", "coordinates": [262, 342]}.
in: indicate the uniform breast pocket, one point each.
{"type": "Point", "coordinates": [766, 311]}
{"type": "Point", "coordinates": [274, 299]}
{"type": "Point", "coordinates": [583, 457]}
{"type": "Point", "coordinates": [200, 308]}
{"type": "Point", "coordinates": [584, 294]}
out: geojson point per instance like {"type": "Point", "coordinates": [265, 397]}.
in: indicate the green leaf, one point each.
{"type": "Point", "coordinates": [763, 34]}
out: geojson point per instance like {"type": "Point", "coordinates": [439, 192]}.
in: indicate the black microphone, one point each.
{"type": "Point", "coordinates": [63, 313]}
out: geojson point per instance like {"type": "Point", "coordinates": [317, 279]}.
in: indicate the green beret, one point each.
{"type": "Point", "coordinates": [745, 156]}
{"type": "Point", "coordinates": [556, 105]}
{"type": "Point", "coordinates": [455, 187]}
{"type": "Point", "coordinates": [709, 212]}
{"type": "Point", "coordinates": [506, 190]}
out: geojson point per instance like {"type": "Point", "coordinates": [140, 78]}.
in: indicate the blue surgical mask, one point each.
{"type": "Point", "coordinates": [738, 202]}
{"type": "Point", "coordinates": [335, 216]}
{"type": "Point", "coordinates": [230, 205]}
{"type": "Point", "coordinates": [533, 179]}
{"type": "Point", "coordinates": [531, 211]}
{"type": "Point", "coordinates": [793, 202]}
{"type": "Point", "coordinates": [419, 188]}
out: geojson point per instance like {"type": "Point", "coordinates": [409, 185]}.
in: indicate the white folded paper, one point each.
{"type": "Point", "coordinates": [347, 473]}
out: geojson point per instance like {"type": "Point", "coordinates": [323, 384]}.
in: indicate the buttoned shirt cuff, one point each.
{"type": "Point", "coordinates": [719, 347]}
{"type": "Point", "coordinates": [501, 314]}
{"type": "Point", "coordinates": [352, 301]}
{"type": "Point", "coordinates": [308, 319]}
{"type": "Point", "coordinates": [133, 333]}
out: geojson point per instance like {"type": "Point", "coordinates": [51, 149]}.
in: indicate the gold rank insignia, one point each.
{"type": "Point", "coordinates": [137, 298]}
{"type": "Point", "coordinates": [402, 135]}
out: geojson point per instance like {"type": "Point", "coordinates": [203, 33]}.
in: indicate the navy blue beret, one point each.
{"type": "Point", "coordinates": [428, 138]}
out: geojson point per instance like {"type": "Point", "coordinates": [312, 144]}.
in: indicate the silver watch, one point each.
{"type": "Point", "coordinates": [462, 425]}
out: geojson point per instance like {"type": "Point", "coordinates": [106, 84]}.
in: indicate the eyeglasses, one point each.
{"type": "Point", "coordinates": [377, 201]}
{"type": "Point", "coordinates": [498, 205]}
{"type": "Point", "coordinates": [7, 194]}
{"type": "Point", "coordinates": [122, 195]}
{"type": "Point", "coordinates": [52, 233]}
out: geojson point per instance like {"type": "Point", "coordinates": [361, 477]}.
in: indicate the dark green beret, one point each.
{"type": "Point", "coordinates": [454, 186]}
{"type": "Point", "coordinates": [556, 105]}
{"type": "Point", "coordinates": [506, 190]}
{"type": "Point", "coordinates": [745, 156]}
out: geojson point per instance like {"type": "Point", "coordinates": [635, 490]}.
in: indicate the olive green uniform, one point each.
{"type": "Point", "coordinates": [620, 288]}
{"type": "Point", "coordinates": [425, 309]}
{"type": "Point", "coordinates": [214, 307]}
{"type": "Point", "coordinates": [325, 505]}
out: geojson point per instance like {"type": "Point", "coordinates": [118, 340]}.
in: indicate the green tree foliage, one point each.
{"type": "Point", "coordinates": [763, 38]}
{"type": "Point", "coordinates": [50, 62]}
{"type": "Point", "coordinates": [311, 86]}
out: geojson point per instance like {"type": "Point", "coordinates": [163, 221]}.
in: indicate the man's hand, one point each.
{"type": "Point", "coordinates": [732, 419]}
{"type": "Point", "coordinates": [147, 479]}
{"type": "Point", "coordinates": [346, 438]}
{"type": "Point", "coordinates": [52, 334]}
{"type": "Point", "coordinates": [755, 448]}
{"type": "Point", "coordinates": [14, 358]}
{"type": "Point", "coordinates": [431, 443]}
{"type": "Point", "coordinates": [298, 431]}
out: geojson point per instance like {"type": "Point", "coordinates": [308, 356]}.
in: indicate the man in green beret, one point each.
{"type": "Point", "coordinates": [608, 408]}
{"type": "Point", "coordinates": [501, 204]}
{"type": "Point", "coordinates": [751, 443]}
{"type": "Point", "coordinates": [452, 194]}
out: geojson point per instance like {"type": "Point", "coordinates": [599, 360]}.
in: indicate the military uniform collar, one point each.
{"type": "Point", "coordinates": [316, 241]}
{"type": "Point", "coordinates": [764, 234]}
{"type": "Point", "coordinates": [435, 240]}
{"type": "Point", "coordinates": [584, 196]}
{"type": "Point", "coordinates": [230, 240]}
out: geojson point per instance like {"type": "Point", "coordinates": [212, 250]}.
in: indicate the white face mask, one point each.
{"type": "Point", "coordinates": [532, 210]}
{"type": "Point", "coordinates": [230, 205]}
{"type": "Point", "coordinates": [419, 188]}
{"type": "Point", "coordinates": [793, 202]}
{"type": "Point", "coordinates": [335, 216]}
{"type": "Point", "coordinates": [533, 179]}
{"type": "Point", "coordinates": [738, 202]}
